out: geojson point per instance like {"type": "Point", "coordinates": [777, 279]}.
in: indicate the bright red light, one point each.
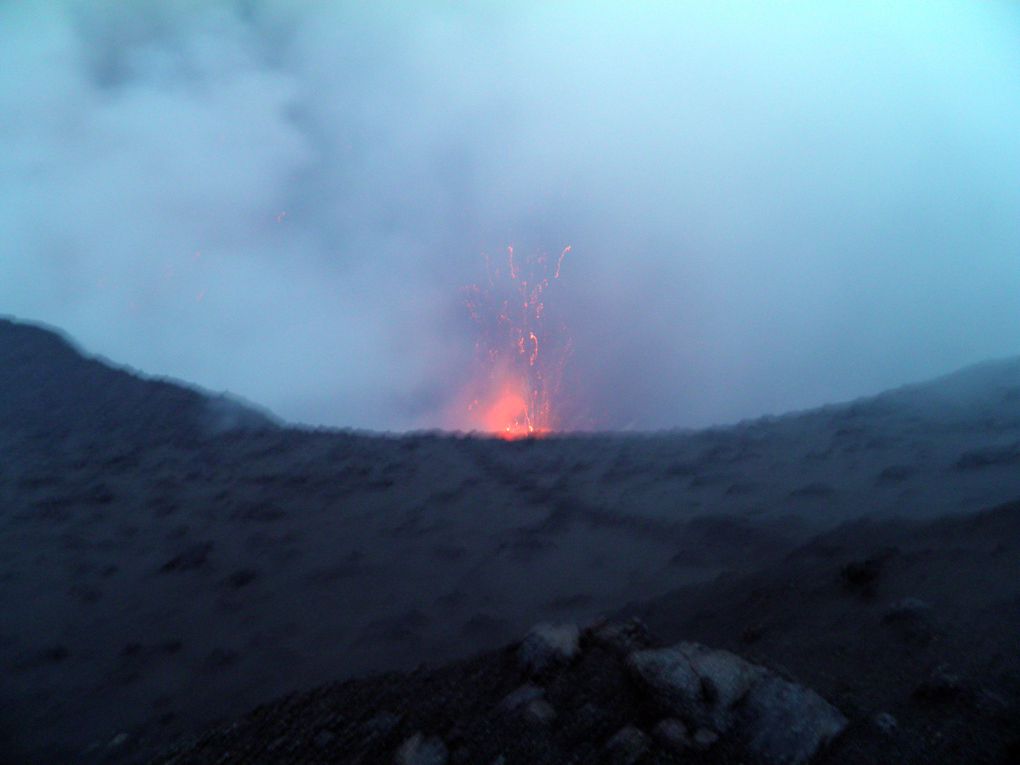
{"type": "Point", "coordinates": [520, 354]}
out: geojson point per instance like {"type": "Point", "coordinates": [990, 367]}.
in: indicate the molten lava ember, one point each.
{"type": "Point", "coordinates": [520, 352]}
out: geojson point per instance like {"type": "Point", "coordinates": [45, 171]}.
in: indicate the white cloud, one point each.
{"type": "Point", "coordinates": [768, 208]}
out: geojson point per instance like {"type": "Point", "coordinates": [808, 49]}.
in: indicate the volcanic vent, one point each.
{"type": "Point", "coordinates": [521, 349]}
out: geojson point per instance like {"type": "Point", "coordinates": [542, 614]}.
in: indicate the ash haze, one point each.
{"type": "Point", "coordinates": [769, 206]}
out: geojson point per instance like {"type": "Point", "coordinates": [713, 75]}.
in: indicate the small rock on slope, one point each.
{"type": "Point", "coordinates": [672, 735]}
{"type": "Point", "coordinates": [422, 750]}
{"type": "Point", "coordinates": [522, 696]}
{"type": "Point", "coordinates": [626, 747]}
{"type": "Point", "coordinates": [547, 646]}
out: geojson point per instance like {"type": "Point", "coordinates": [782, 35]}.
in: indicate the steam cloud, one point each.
{"type": "Point", "coordinates": [768, 209]}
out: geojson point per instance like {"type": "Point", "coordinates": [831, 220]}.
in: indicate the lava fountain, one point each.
{"type": "Point", "coordinates": [520, 353]}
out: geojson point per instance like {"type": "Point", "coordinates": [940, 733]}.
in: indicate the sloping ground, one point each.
{"type": "Point", "coordinates": [921, 621]}
{"type": "Point", "coordinates": [51, 392]}
{"type": "Point", "coordinates": [163, 566]}
{"type": "Point", "coordinates": [909, 630]}
{"type": "Point", "coordinates": [493, 710]}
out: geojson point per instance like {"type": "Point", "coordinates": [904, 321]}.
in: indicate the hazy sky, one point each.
{"type": "Point", "coordinates": [770, 206]}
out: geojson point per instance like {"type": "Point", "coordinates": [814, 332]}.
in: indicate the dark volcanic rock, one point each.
{"type": "Point", "coordinates": [623, 637]}
{"type": "Point", "coordinates": [702, 705]}
{"type": "Point", "coordinates": [422, 750]}
{"type": "Point", "coordinates": [522, 696]}
{"type": "Point", "coordinates": [547, 646]}
{"type": "Point", "coordinates": [626, 747]}
{"type": "Point", "coordinates": [697, 684]}
{"type": "Point", "coordinates": [716, 691]}
{"type": "Point", "coordinates": [785, 724]}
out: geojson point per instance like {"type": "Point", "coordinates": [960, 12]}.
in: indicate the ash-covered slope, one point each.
{"type": "Point", "coordinates": [877, 642]}
{"type": "Point", "coordinates": [158, 574]}
{"type": "Point", "coordinates": [50, 390]}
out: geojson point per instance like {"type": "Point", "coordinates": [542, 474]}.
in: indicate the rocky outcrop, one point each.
{"type": "Point", "coordinates": [714, 693]}
{"type": "Point", "coordinates": [722, 695]}
{"type": "Point", "coordinates": [562, 695]}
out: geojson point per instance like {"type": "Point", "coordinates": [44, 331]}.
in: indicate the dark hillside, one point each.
{"type": "Point", "coordinates": [909, 630]}
{"type": "Point", "coordinates": [50, 390]}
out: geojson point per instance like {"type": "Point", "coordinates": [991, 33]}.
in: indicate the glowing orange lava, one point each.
{"type": "Point", "coordinates": [520, 353]}
{"type": "Point", "coordinates": [508, 417]}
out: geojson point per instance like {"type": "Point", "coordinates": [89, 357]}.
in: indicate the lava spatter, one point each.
{"type": "Point", "coordinates": [520, 354]}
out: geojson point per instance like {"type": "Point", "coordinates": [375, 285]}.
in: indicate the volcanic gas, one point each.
{"type": "Point", "coordinates": [520, 353]}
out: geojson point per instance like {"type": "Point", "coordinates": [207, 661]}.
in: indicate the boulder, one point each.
{"type": "Point", "coordinates": [547, 646]}
{"type": "Point", "coordinates": [422, 750]}
{"type": "Point", "coordinates": [717, 693]}
{"type": "Point", "coordinates": [620, 637]}
{"type": "Point", "coordinates": [523, 695]}
{"type": "Point", "coordinates": [700, 685]}
{"type": "Point", "coordinates": [529, 701]}
{"type": "Point", "coordinates": [626, 747]}
{"type": "Point", "coordinates": [783, 723]}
